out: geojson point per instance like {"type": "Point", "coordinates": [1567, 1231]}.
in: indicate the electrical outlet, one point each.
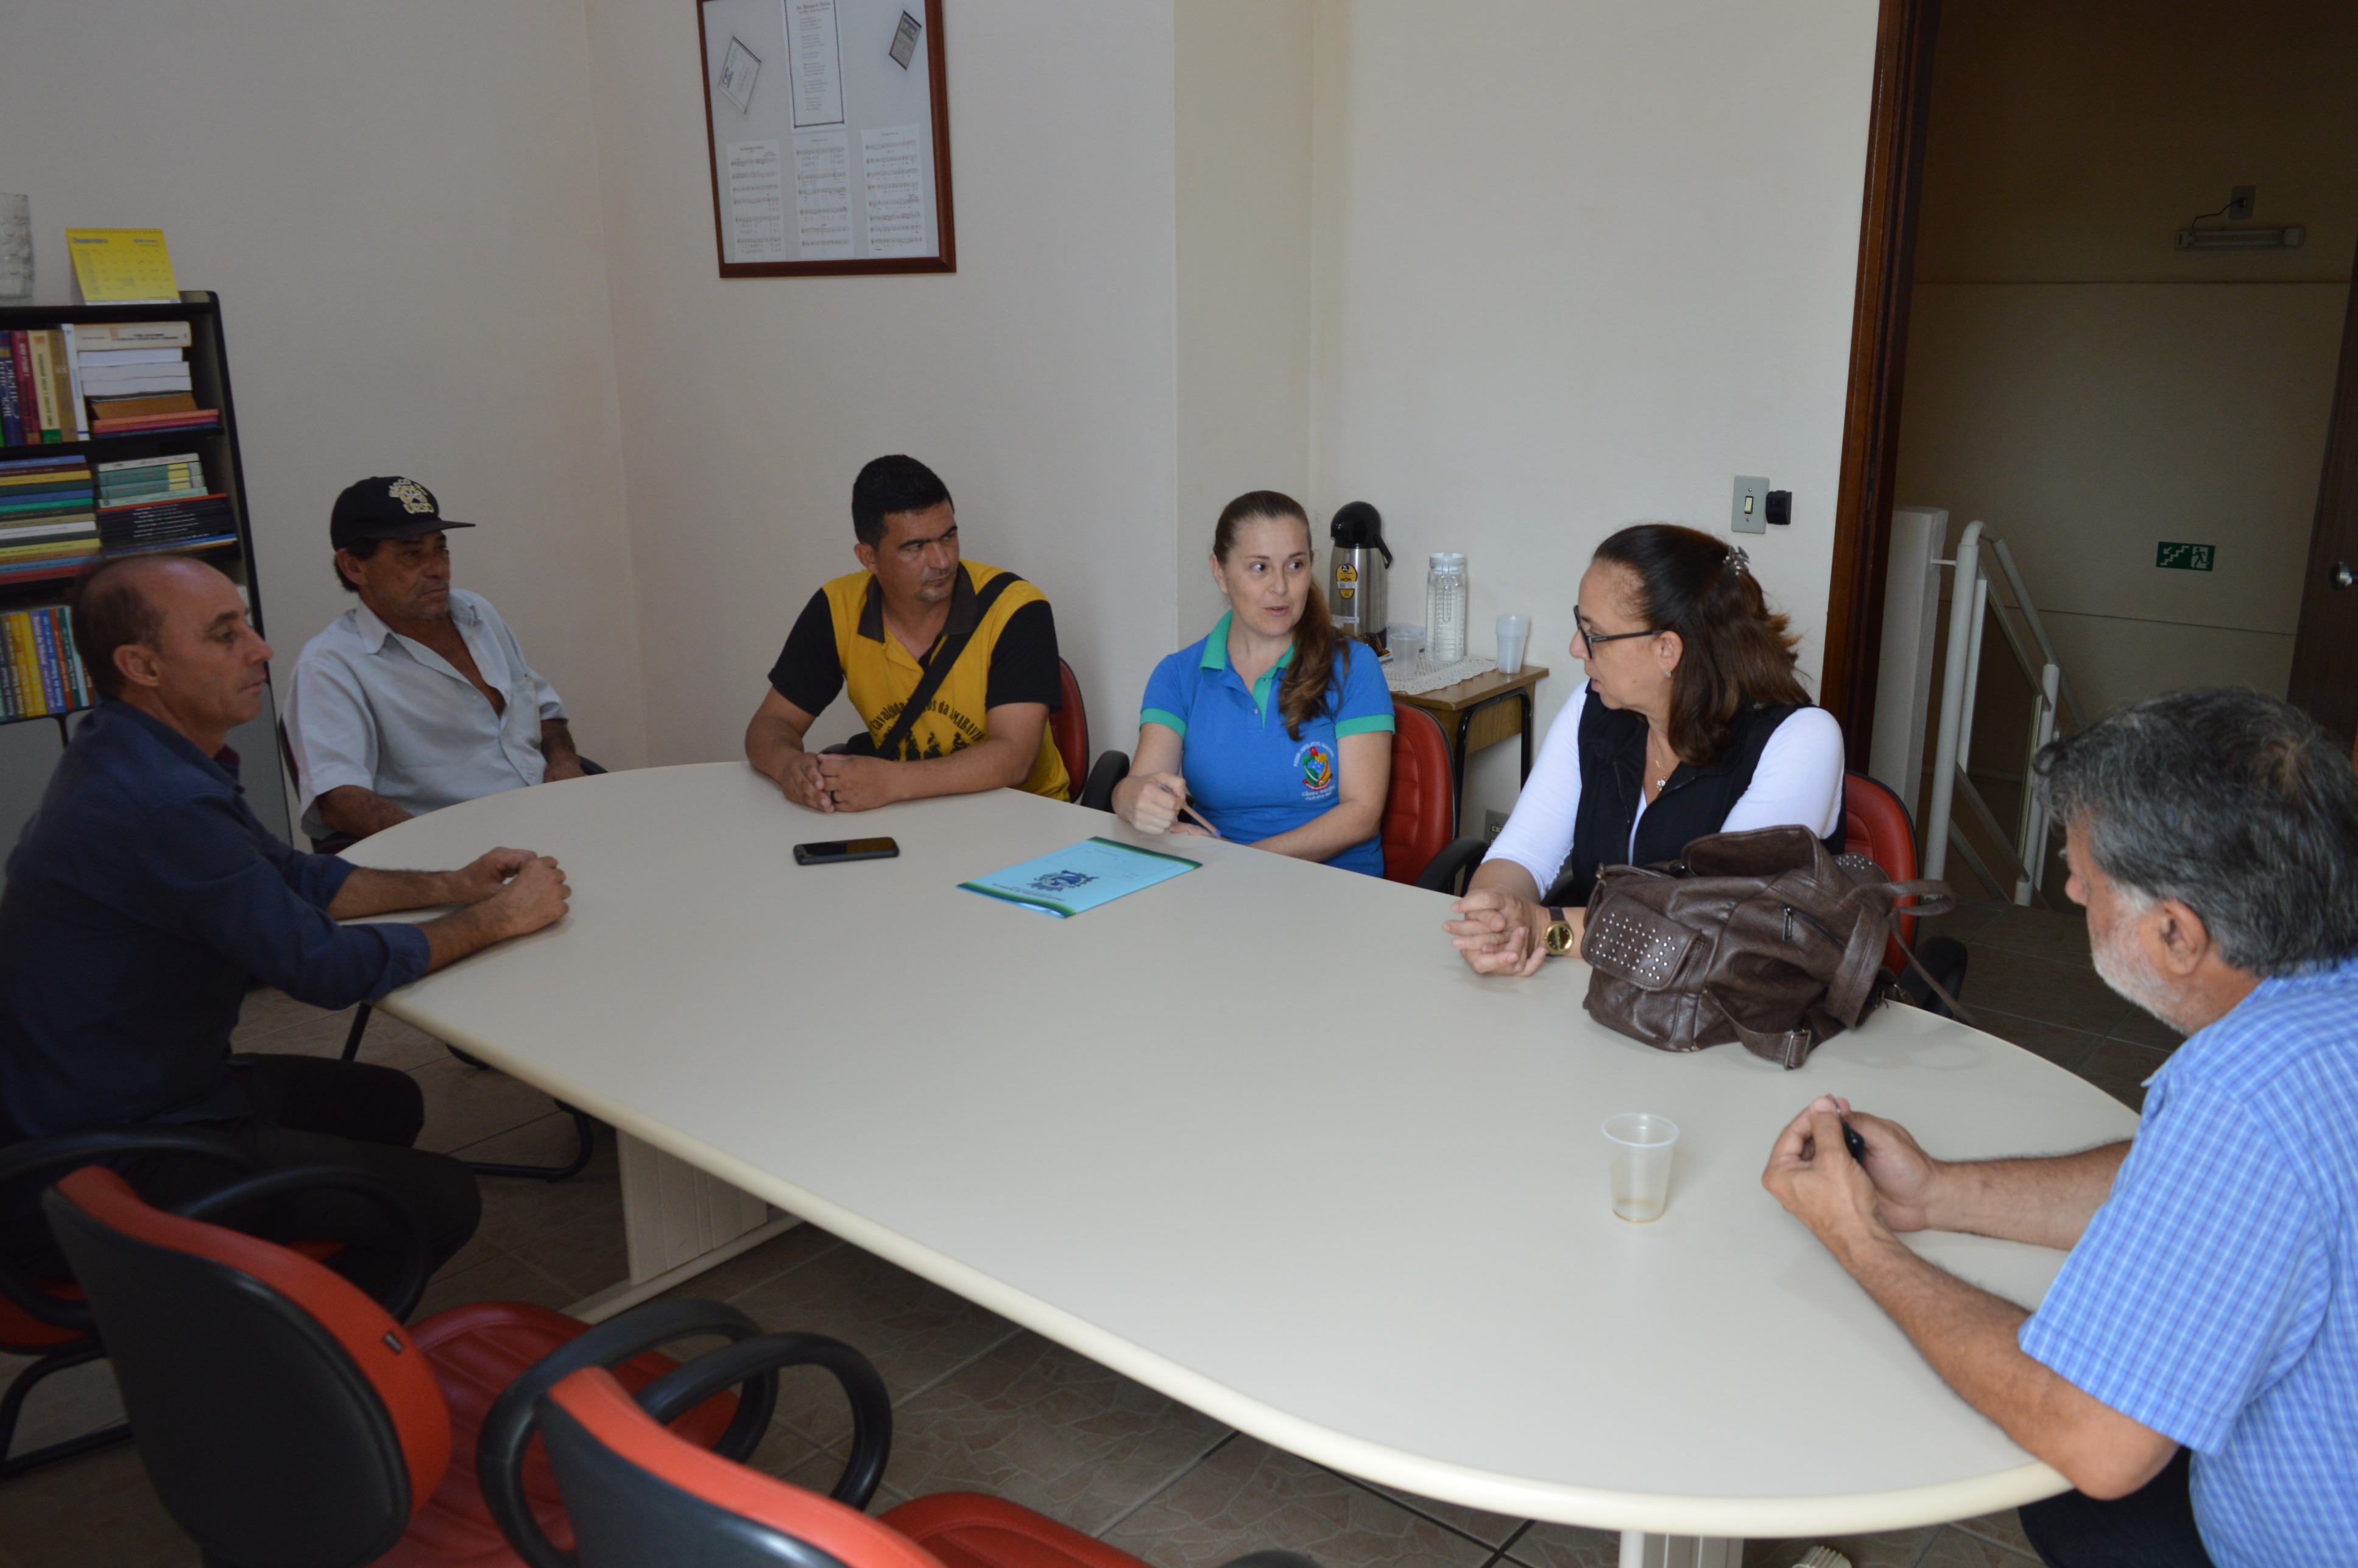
{"type": "Point", "coordinates": [1491, 822]}
{"type": "Point", "coordinates": [1749, 513]}
{"type": "Point", "coordinates": [2240, 201]}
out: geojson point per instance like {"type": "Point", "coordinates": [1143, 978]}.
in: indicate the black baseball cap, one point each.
{"type": "Point", "coordinates": [387, 507]}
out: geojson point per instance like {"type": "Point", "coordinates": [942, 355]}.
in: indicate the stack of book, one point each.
{"type": "Point", "coordinates": [193, 520]}
{"type": "Point", "coordinates": [136, 375]}
{"type": "Point", "coordinates": [40, 671]}
{"type": "Point", "coordinates": [150, 479]}
{"type": "Point", "coordinates": [49, 524]}
{"type": "Point", "coordinates": [74, 382]}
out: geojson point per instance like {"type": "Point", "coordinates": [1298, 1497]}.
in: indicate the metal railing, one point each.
{"type": "Point", "coordinates": [1971, 607]}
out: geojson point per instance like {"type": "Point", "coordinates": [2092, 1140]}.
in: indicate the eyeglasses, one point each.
{"type": "Point", "coordinates": [1598, 639]}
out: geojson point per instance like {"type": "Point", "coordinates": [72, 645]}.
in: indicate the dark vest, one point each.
{"type": "Point", "coordinates": [1696, 801]}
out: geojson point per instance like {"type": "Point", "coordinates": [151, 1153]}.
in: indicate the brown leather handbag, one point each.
{"type": "Point", "coordinates": [1766, 938]}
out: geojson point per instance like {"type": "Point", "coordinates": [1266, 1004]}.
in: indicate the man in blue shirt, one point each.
{"type": "Point", "coordinates": [2210, 1303]}
{"type": "Point", "coordinates": [144, 899]}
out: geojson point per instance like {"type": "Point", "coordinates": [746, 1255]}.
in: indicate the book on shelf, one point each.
{"type": "Point", "coordinates": [106, 335]}
{"type": "Point", "coordinates": [193, 420]}
{"type": "Point", "coordinates": [40, 672]}
{"type": "Point", "coordinates": [80, 380]}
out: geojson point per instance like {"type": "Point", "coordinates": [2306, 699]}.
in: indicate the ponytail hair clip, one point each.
{"type": "Point", "coordinates": [1737, 561]}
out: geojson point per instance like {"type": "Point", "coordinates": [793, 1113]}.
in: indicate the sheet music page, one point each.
{"type": "Point", "coordinates": [757, 212]}
{"type": "Point", "coordinates": [823, 195]}
{"type": "Point", "coordinates": [893, 173]}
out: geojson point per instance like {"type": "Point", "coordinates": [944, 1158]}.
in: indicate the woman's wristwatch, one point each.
{"type": "Point", "coordinates": [1560, 938]}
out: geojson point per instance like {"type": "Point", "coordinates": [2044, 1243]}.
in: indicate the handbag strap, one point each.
{"type": "Point", "coordinates": [946, 655]}
{"type": "Point", "coordinates": [1787, 1048]}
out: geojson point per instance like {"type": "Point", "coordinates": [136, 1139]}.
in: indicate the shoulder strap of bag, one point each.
{"type": "Point", "coordinates": [944, 657]}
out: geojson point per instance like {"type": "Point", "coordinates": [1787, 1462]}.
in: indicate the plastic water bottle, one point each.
{"type": "Point", "coordinates": [1445, 608]}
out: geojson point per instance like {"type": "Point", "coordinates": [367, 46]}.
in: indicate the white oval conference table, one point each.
{"type": "Point", "coordinates": [1256, 1138]}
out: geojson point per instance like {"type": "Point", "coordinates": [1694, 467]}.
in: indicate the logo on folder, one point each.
{"type": "Point", "coordinates": [1061, 882]}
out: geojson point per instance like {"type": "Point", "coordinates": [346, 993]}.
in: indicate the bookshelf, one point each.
{"type": "Point", "coordinates": [24, 760]}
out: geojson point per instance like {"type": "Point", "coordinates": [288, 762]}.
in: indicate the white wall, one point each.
{"type": "Point", "coordinates": [1038, 379]}
{"type": "Point", "coordinates": [2088, 389]}
{"type": "Point", "coordinates": [1579, 266]}
{"type": "Point", "coordinates": [1244, 146]}
{"type": "Point", "coordinates": [2085, 423]}
{"type": "Point", "coordinates": [399, 206]}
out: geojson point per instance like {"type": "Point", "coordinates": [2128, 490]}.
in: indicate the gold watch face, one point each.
{"type": "Point", "coordinates": [1559, 938]}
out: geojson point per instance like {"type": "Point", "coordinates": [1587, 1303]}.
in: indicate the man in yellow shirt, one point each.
{"type": "Point", "coordinates": [972, 648]}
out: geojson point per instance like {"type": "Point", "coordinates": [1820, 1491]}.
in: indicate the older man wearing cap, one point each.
{"type": "Point", "coordinates": [418, 696]}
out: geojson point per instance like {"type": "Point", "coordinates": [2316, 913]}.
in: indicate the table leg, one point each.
{"type": "Point", "coordinates": [1640, 1550]}
{"type": "Point", "coordinates": [678, 1221]}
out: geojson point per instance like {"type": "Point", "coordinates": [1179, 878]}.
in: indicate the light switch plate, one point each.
{"type": "Point", "coordinates": [1749, 513]}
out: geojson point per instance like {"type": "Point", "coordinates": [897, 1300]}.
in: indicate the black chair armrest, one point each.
{"type": "Point", "coordinates": [515, 1417]}
{"type": "Point", "coordinates": [401, 1297]}
{"type": "Point", "coordinates": [75, 1150]}
{"type": "Point", "coordinates": [1110, 769]}
{"type": "Point", "coordinates": [587, 765]}
{"type": "Point", "coordinates": [871, 1408]}
{"type": "Point", "coordinates": [1459, 856]}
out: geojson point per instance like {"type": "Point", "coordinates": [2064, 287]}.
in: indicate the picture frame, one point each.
{"type": "Point", "coordinates": [827, 131]}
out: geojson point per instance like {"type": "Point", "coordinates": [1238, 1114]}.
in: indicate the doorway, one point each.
{"type": "Point", "coordinates": [2145, 420]}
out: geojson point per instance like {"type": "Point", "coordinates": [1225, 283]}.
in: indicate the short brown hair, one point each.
{"type": "Point", "coordinates": [110, 613]}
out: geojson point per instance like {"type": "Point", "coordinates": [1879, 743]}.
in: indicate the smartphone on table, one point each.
{"type": "Point", "coordinates": [835, 851]}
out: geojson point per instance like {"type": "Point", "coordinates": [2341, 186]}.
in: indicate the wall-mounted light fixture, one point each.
{"type": "Point", "coordinates": [2240, 202]}
{"type": "Point", "coordinates": [2193, 239]}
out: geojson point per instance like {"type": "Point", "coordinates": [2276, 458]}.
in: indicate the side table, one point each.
{"type": "Point", "coordinates": [1478, 713]}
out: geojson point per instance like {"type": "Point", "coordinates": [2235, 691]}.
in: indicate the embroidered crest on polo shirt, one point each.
{"type": "Point", "coordinates": [411, 495]}
{"type": "Point", "coordinates": [1316, 766]}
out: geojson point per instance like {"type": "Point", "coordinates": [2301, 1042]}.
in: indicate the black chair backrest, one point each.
{"type": "Point", "coordinates": [241, 1367]}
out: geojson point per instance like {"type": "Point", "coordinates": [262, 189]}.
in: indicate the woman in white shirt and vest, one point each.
{"type": "Point", "coordinates": [1691, 721]}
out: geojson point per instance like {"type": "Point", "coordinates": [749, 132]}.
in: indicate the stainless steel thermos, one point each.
{"type": "Point", "coordinates": [1355, 582]}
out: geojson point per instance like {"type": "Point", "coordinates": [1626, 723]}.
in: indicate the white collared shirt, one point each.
{"type": "Point", "coordinates": [372, 708]}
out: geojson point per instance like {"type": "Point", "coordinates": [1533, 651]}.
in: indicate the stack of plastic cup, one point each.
{"type": "Point", "coordinates": [1514, 633]}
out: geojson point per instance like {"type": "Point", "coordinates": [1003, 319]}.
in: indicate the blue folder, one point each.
{"type": "Point", "coordinates": [1075, 881]}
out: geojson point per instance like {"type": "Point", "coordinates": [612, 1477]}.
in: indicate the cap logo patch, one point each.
{"type": "Point", "coordinates": [411, 495]}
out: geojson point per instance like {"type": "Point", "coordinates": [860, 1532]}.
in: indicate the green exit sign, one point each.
{"type": "Point", "coordinates": [2185, 557]}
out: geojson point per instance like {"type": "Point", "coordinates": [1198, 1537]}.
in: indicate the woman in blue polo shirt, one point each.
{"type": "Point", "coordinates": [1272, 730]}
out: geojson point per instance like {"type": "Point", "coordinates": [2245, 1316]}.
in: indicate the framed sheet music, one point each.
{"type": "Point", "coordinates": [828, 127]}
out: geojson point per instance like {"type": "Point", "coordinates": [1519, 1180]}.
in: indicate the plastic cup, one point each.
{"type": "Point", "coordinates": [1640, 1145]}
{"type": "Point", "coordinates": [1514, 633]}
{"type": "Point", "coordinates": [1405, 644]}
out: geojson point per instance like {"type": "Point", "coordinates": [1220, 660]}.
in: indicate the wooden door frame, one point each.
{"type": "Point", "coordinates": [1905, 34]}
{"type": "Point", "coordinates": [2324, 682]}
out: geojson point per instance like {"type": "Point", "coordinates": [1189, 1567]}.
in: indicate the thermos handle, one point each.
{"type": "Point", "coordinates": [1387, 549]}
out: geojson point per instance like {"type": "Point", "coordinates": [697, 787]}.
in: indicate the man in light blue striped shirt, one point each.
{"type": "Point", "coordinates": [2194, 1371]}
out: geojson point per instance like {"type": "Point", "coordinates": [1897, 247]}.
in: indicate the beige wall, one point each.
{"type": "Point", "coordinates": [399, 208]}
{"type": "Point", "coordinates": [1038, 379]}
{"type": "Point", "coordinates": [1576, 269]}
{"type": "Point", "coordinates": [2089, 390]}
{"type": "Point", "coordinates": [1519, 281]}
{"type": "Point", "coordinates": [1244, 129]}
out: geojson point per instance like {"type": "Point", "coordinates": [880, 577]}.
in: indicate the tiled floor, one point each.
{"type": "Point", "coordinates": [983, 1404]}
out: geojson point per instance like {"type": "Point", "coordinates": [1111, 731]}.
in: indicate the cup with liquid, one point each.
{"type": "Point", "coordinates": [1638, 1146]}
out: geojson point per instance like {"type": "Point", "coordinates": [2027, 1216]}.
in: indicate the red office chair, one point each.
{"type": "Point", "coordinates": [639, 1495]}
{"type": "Point", "coordinates": [1875, 825]}
{"type": "Point", "coordinates": [287, 1419]}
{"type": "Point", "coordinates": [47, 1319]}
{"type": "Point", "coordinates": [1420, 809]}
{"type": "Point", "coordinates": [1069, 728]}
